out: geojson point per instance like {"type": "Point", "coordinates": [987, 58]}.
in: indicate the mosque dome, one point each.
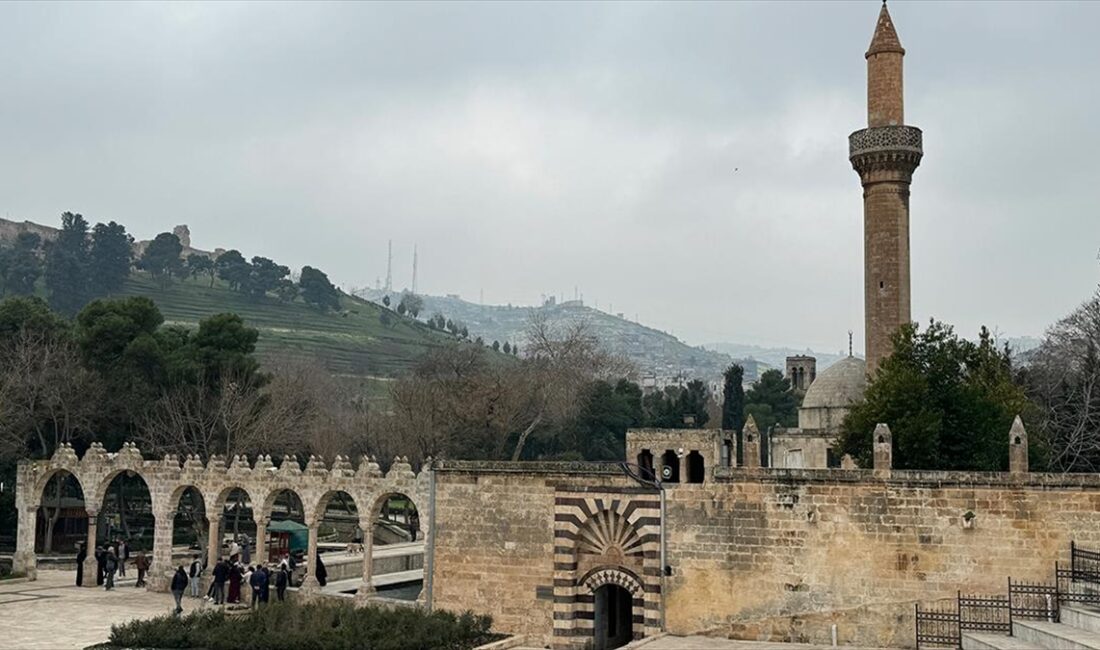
{"type": "Point", "coordinates": [840, 385]}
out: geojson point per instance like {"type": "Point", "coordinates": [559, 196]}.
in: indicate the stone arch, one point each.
{"type": "Point", "coordinates": [101, 495]}
{"type": "Point", "coordinates": [625, 578]}
{"type": "Point", "coordinates": [266, 510]}
{"type": "Point", "coordinates": [608, 533]}
{"type": "Point", "coordinates": [43, 482]}
{"type": "Point", "coordinates": [59, 509]}
{"type": "Point", "coordinates": [415, 525]}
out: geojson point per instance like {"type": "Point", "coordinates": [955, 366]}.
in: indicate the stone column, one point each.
{"type": "Point", "coordinates": [160, 566]}
{"type": "Point", "coordinates": [310, 582]}
{"type": "Point", "coordinates": [213, 542]}
{"type": "Point", "coordinates": [261, 541]}
{"type": "Point", "coordinates": [89, 560]}
{"type": "Point", "coordinates": [366, 587]}
{"type": "Point", "coordinates": [25, 561]}
{"type": "Point", "coordinates": [1017, 447]}
{"type": "Point", "coordinates": [883, 448]}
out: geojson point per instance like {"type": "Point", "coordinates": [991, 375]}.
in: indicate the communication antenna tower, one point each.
{"type": "Point", "coordinates": [414, 268]}
{"type": "Point", "coordinates": [389, 268]}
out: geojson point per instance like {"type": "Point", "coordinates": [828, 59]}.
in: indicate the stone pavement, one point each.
{"type": "Point", "coordinates": [707, 643]}
{"type": "Point", "coordinates": [52, 613]}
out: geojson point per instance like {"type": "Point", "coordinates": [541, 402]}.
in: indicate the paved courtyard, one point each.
{"type": "Point", "coordinates": [706, 643]}
{"type": "Point", "coordinates": [52, 613]}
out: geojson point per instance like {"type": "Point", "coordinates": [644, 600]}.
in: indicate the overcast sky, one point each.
{"type": "Point", "coordinates": [683, 162]}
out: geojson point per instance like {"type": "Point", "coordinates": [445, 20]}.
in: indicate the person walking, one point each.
{"type": "Point", "coordinates": [320, 572]}
{"type": "Point", "coordinates": [110, 565]}
{"type": "Point", "coordinates": [221, 574]}
{"type": "Point", "coordinates": [196, 576]}
{"type": "Point", "coordinates": [123, 555]}
{"type": "Point", "coordinates": [282, 577]}
{"type": "Point", "coordinates": [142, 566]}
{"type": "Point", "coordinates": [235, 574]}
{"type": "Point", "coordinates": [179, 585]}
{"type": "Point", "coordinates": [81, 555]}
{"type": "Point", "coordinates": [265, 583]}
{"type": "Point", "coordinates": [100, 563]}
{"type": "Point", "coordinates": [253, 577]}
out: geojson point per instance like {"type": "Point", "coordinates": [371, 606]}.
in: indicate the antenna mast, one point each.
{"type": "Point", "coordinates": [414, 268]}
{"type": "Point", "coordinates": [389, 268]}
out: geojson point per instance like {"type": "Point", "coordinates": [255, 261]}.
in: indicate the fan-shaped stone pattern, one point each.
{"type": "Point", "coordinates": [608, 533]}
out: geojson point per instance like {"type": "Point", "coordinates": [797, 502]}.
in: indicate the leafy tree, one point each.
{"type": "Point", "coordinates": [411, 304]}
{"type": "Point", "coordinates": [108, 329]}
{"type": "Point", "coordinates": [668, 409]}
{"type": "Point", "coordinates": [515, 350]}
{"type": "Point", "coordinates": [265, 276]}
{"type": "Point", "coordinates": [224, 345]}
{"type": "Point", "coordinates": [287, 291]}
{"type": "Point", "coordinates": [67, 265]}
{"type": "Point", "coordinates": [234, 269]}
{"type": "Point", "coordinates": [507, 347]}
{"type": "Point", "coordinates": [22, 265]}
{"type": "Point", "coordinates": [496, 346]}
{"type": "Point", "coordinates": [30, 314]}
{"type": "Point", "coordinates": [772, 400]}
{"type": "Point", "coordinates": [317, 290]}
{"type": "Point", "coordinates": [201, 265]}
{"type": "Point", "coordinates": [607, 411]}
{"type": "Point", "coordinates": [949, 403]}
{"type": "Point", "coordinates": [111, 256]}
{"type": "Point", "coordinates": [162, 258]}
{"type": "Point", "coordinates": [386, 301]}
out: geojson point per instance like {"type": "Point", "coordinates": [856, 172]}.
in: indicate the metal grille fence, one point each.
{"type": "Point", "coordinates": [938, 626]}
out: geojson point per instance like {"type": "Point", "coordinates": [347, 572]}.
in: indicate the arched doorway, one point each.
{"type": "Point", "coordinates": [670, 467]}
{"type": "Point", "coordinates": [696, 470]}
{"type": "Point", "coordinates": [236, 526]}
{"type": "Point", "coordinates": [62, 520]}
{"type": "Point", "coordinates": [613, 617]}
{"type": "Point", "coordinates": [645, 462]}
{"type": "Point", "coordinates": [397, 548]}
{"type": "Point", "coordinates": [189, 527]}
{"type": "Point", "coordinates": [286, 533]}
{"type": "Point", "coordinates": [340, 541]}
{"type": "Point", "coordinates": [126, 522]}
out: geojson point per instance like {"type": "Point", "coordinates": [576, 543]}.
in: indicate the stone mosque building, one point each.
{"type": "Point", "coordinates": [680, 538]}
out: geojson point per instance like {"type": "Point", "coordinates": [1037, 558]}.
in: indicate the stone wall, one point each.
{"type": "Point", "coordinates": [784, 554]}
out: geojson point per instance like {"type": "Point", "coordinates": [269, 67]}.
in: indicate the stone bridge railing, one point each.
{"type": "Point", "coordinates": [168, 479]}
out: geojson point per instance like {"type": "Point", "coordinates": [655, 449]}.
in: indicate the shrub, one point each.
{"type": "Point", "coordinates": [312, 626]}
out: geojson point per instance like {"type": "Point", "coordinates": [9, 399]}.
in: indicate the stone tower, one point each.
{"type": "Point", "coordinates": [885, 155]}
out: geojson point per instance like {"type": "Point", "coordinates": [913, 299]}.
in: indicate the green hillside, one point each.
{"type": "Point", "coordinates": [351, 343]}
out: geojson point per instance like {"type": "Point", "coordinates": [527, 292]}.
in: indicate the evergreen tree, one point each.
{"type": "Point", "coordinates": [162, 258]}
{"type": "Point", "coordinates": [949, 403]}
{"type": "Point", "coordinates": [507, 347]}
{"type": "Point", "coordinates": [317, 290]}
{"type": "Point", "coordinates": [201, 265]}
{"type": "Point", "coordinates": [733, 398]}
{"type": "Point", "coordinates": [22, 265]}
{"type": "Point", "coordinates": [771, 400]}
{"type": "Point", "coordinates": [67, 263]}
{"type": "Point", "coordinates": [234, 269]}
{"type": "Point", "coordinates": [111, 256]}
{"type": "Point", "coordinates": [265, 276]}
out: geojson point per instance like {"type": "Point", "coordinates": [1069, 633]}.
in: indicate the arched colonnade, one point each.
{"type": "Point", "coordinates": [262, 481]}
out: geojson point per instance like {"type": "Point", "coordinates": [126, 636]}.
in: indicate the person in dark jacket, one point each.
{"type": "Point", "coordinates": [321, 573]}
{"type": "Point", "coordinates": [221, 574]}
{"type": "Point", "coordinates": [100, 560]}
{"type": "Point", "coordinates": [256, 581]}
{"type": "Point", "coordinates": [81, 554]}
{"type": "Point", "coordinates": [110, 565]}
{"type": "Point", "coordinates": [142, 566]}
{"type": "Point", "coordinates": [196, 576]}
{"type": "Point", "coordinates": [282, 578]}
{"type": "Point", "coordinates": [179, 585]}
{"type": "Point", "coordinates": [265, 588]}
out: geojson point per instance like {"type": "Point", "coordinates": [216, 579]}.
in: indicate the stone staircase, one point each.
{"type": "Point", "coordinates": [1079, 629]}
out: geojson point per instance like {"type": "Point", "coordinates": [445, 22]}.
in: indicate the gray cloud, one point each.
{"type": "Point", "coordinates": [530, 148]}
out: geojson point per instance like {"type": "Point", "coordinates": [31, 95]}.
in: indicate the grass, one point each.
{"type": "Point", "coordinates": [351, 343]}
{"type": "Point", "coordinates": [324, 625]}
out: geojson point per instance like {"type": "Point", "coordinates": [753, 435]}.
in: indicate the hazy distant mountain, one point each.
{"type": "Point", "coordinates": [775, 357]}
{"type": "Point", "coordinates": [655, 352]}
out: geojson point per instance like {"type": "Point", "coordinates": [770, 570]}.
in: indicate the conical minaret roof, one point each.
{"type": "Point", "coordinates": [886, 37]}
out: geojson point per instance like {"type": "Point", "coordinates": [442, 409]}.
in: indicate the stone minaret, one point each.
{"type": "Point", "coordinates": [885, 154]}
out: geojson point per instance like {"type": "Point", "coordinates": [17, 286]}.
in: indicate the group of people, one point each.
{"type": "Point", "coordinates": [257, 579]}
{"type": "Point", "coordinates": [111, 559]}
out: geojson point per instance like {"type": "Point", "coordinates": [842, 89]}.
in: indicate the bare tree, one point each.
{"type": "Point", "coordinates": [1064, 379]}
{"type": "Point", "coordinates": [48, 398]}
{"type": "Point", "coordinates": [563, 358]}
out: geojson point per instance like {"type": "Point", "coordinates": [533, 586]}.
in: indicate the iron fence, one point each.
{"type": "Point", "coordinates": [1037, 601]}
{"type": "Point", "coordinates": [938, 626]}
{"type": "Point", "coordinates": [985, 614]}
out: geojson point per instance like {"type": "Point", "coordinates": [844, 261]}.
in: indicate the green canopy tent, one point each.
{"type": "Point", "coordinates": [286, 536]}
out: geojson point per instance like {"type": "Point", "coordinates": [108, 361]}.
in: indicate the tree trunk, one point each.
{"type": "Point", "coordinates": [51, 521]}
{"type": "Point", "coordinates": [122, 510]}
{"type": "Point", "coordinates": [523, 436]}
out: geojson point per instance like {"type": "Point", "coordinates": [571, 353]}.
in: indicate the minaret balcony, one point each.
{"type": "Point", "coordinates": [879, 149]}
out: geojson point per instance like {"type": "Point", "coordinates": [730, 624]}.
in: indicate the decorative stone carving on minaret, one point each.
{"type": "Point", "coordinates": [885, 155]}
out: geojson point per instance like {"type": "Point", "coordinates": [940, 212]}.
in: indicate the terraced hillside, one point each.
{"type": "Point", "coordinates": [353, 342]}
